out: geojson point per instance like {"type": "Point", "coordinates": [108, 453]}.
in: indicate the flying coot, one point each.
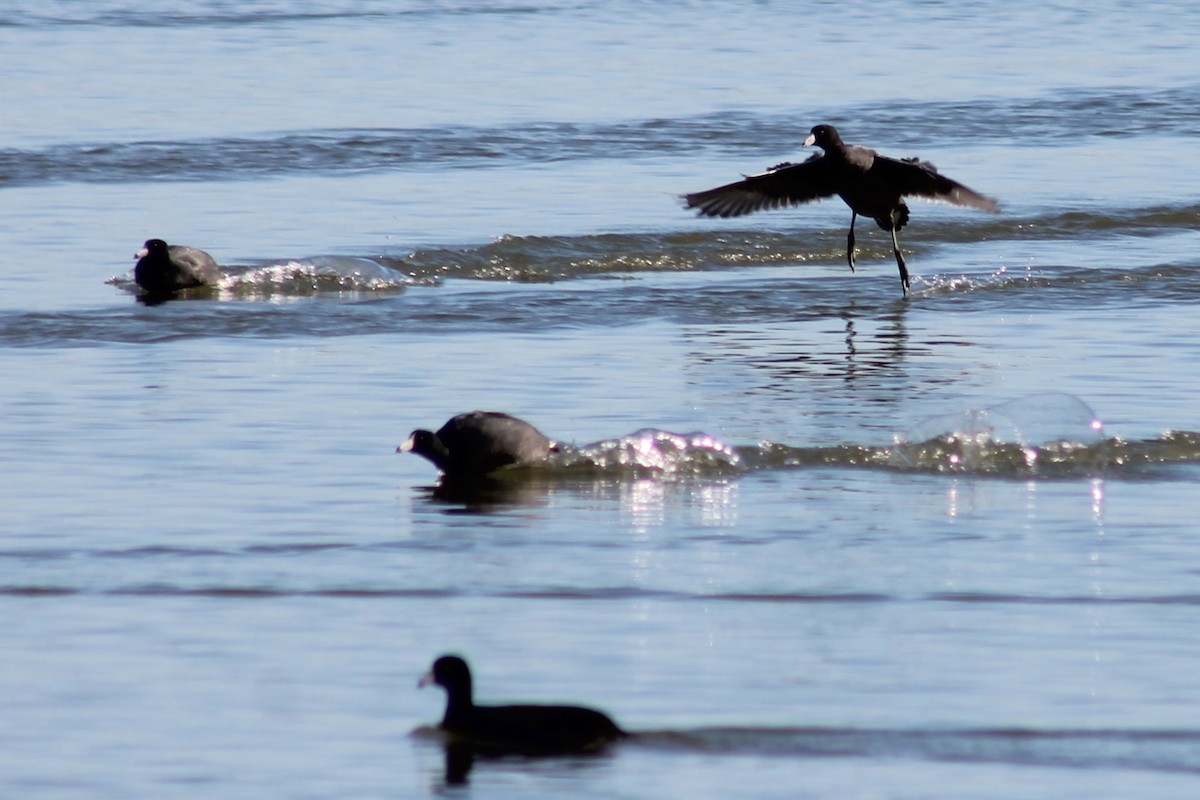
{"type": "Point", "coordinates": [527, 729]}
{"type": "Point", "coordinates": [477, 443]}
{"type": "Point", "coordinates": [871, 184]}
{"type": "Point", "coordinates": [163, 269]}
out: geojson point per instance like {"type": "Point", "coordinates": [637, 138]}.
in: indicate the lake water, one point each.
{"type": "Point", "coordinates": [811, 540]}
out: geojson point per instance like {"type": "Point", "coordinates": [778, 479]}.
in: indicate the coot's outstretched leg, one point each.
{"type": "Point", "coordinates": [850, 239]}
{"type": "Point", "coordinates": [900, 262]}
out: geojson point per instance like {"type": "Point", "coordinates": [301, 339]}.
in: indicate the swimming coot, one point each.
{"type": "Point", "coordinates": [871, 184]}
{"type": "Point", "coordinates": [477, 443]}
{"type": "Point", "coordinates": [529, 729]}
{"type": "Point", "coordinates": [163, 268]}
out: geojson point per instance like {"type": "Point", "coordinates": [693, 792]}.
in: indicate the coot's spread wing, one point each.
{"type": "Point", "coordinates": [915, 178]}
{"type": "Point", "coordinates": [784, 185]}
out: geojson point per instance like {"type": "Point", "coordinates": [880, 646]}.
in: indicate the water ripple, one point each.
{"type": "Point", "coordinates": [121, 14]}
{"type": "Point", "coordinates": [1047, 119]}
{"type": "Point", "coordinates": [1133, 748]}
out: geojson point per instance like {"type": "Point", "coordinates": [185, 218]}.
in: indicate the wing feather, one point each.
{"type": "Point", "coordinates": [780, 186]}
{"type": "Point", "coordinates": [916, 178]}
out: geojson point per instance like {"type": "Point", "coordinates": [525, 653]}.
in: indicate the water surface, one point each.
{"type": "Point", "coordinates": [809, 539]}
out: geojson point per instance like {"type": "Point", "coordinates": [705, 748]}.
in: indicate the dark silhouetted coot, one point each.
{"type": "Point", "coordinates": [163, 268]}
{"type": "Point", "coordinates": [529, 729]}
{"type": "Point", "coordinates": [475, 444]}
{"type": "Point", "coordinates": [871, 184]}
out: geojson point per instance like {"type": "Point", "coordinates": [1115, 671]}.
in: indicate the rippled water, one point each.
{"type": "Point", "coordinates": [804, 537]}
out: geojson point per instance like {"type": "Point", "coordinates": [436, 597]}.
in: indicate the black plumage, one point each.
{"type": "Point", "coordinates": [164, 269]}
{"type": "Point", "coordinates": [872, 185]}
{"type": "Point", "coordinates": [478, 443]}
{"type": "Point", "coordinates": [526, 729]}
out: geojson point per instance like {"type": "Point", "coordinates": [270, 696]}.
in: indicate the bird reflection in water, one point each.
{"type": "Point", "coordinates": [461, 757]}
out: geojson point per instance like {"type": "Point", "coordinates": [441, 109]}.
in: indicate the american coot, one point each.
{"type": "Point", "coordinates": [528, 729]}
{"type": "Point", "coordinates": [477, 443]}
{"type": "Point", "coordinates": [163, 268]}
{"type": "Point", "coordinates": [871, 184]}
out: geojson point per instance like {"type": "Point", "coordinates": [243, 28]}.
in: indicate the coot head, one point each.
{"type": "Point", "coordinates": [824, 137]}
{"type": "Point", "coordinates": [153, 247]}
{"type": "Point", "coordinates": [426, 444]}
{"type": "Point", "coordinates": [452, 674]}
